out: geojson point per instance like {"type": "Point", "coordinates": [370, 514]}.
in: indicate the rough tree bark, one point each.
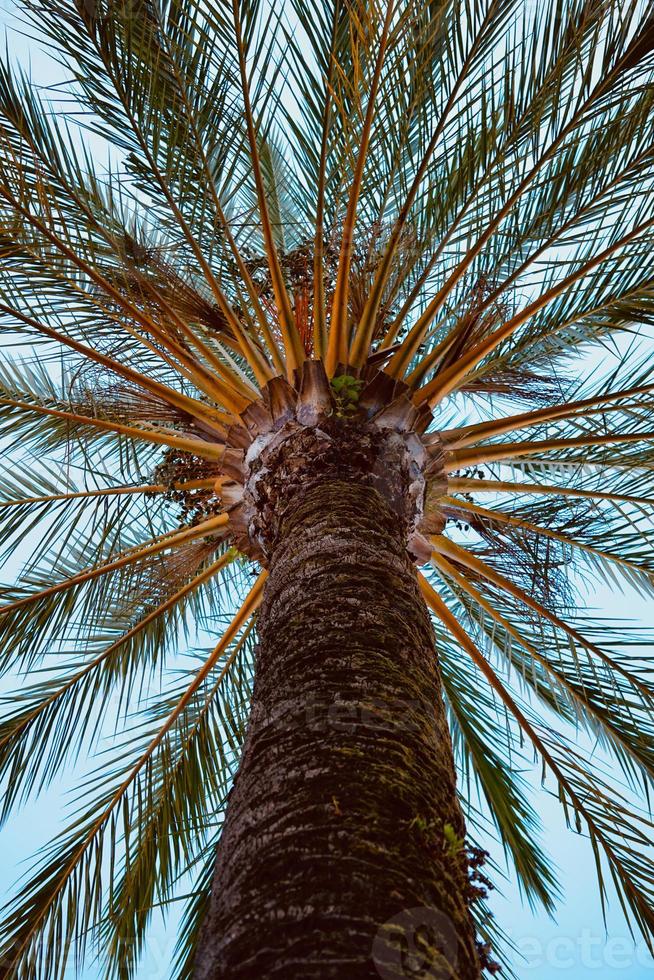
{"type": "Point", "coordinates": [341, 854]}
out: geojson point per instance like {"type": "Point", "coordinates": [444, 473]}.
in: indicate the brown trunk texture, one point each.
{"type": "Point", "coordinates": [342, 851]}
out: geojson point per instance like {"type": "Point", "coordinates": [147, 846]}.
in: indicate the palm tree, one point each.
{"type": "Point", "coordinates": [340, 349]}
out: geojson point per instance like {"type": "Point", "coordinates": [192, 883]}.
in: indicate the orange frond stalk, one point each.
{"type": "Point", "coordinates": [574, 220]}
{"type": "Point", "coordinates": [469, 434]}
{"type": "Point", "coordinates": [400, 361]}
{"type": "Point", "coordinates": [134, 311]}
{"type": "Point", "coordinates": [249, 606]}
{"type": "Point", "coordinates": [365, 330]}
{"type": "Point", "coordinates": [232, 378]}
{"type": "Point", "coordinates": [112, 492]}
{"type": "Point", "coordinates": [461, 484]}
{"type": "Point", "coordinates": [460, 459]}
{"type": "Point", "coordinates": [191, 586]}
{"type": "Point", "coordinates": [417, 333]}
{"type": "Point", "coordinates": [443, 546]}
{"type": "Point", "coordinates": [252, 354]}
{"type": "Point", "coordinates": [224, 376]}
{"type": "Point", "coordinates": [428, 362]}
{"type": "Point", "coordinates": [231, 375]}
{"type": "Point", "coordinates": [448, 381]}
{"type": "Point", "coordinates": [338, 345]}
{"type": "Point", "coordinates": [166, 349]}
{"type": "Point", "coordinates": [319, 299]}
{"type": "Point", "coordinates": [294, 349]}
{"type": "Point", "coordinates": [192, 406]}
{"type": "Point", "coordinates": [243, 270]}
{"type": "Point", "coordinates": [172, 539]}
{"type": "Point", "coordinates": [450, 622]}
{"type": "Point", "coordinates": [499, 517]}
{"type": "Point", "coordinates": [207, 450]}
{"type": "Point", "coordinates": [447, 570]}
{"type": "Point", "coordinates": [222, 391]}
{"type": "Point", "coordinates": [421, 280]}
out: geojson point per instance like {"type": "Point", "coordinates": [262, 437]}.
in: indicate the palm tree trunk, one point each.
{"type": "Point", "coordinates": [342, 853]}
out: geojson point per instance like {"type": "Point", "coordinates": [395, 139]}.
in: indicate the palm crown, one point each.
{"type": "Point", "coordinates": [448, 206]}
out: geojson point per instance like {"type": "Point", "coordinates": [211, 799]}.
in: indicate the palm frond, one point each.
{"type": "Point", "coordinates": [581, 790]}
{"type": "Point", "coordinates": [43, 904]}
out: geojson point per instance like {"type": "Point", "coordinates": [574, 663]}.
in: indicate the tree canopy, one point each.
{"type": "Point", "coordinates": [455, 193]}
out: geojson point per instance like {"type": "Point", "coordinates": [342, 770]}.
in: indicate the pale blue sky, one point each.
{"type": "Point", "coordinates": [575, 946]}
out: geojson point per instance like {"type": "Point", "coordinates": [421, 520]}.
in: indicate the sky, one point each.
{"type": "Point", "coordinates": [574, 945]}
